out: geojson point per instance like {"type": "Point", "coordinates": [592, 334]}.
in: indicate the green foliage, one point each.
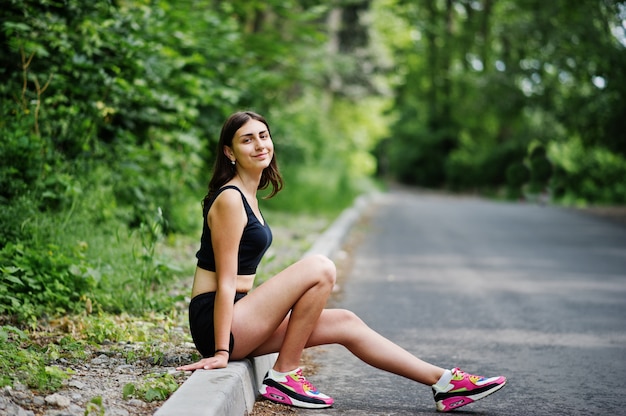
{"type": "Point", "coordinates": [327, 151]}
{"type": "Point", "coordinates": [540, 169]}
{"type": "Point", "coordinates": [67, 348]}
{"type": "Point", "coordinates": [29, 356]}
{"type": "Point", "coordinates": [481, 81]}
{"type": "Point", "coordinates": [37, 282]}
{"type": "Point", "coordinates": [582, 175]}
{"type": "Point", "coordinates": [109, 113]}
{"type": "Point", "coordinates": [104, 329]}
{"type": "Point", "coordinates": [21, 361]}
{"type": "Point", "coordinates": [114, 269]}
{"type": "Point", "coordinates": [155, 387]}
{"type": "Point", "coordinates": [517, 175]}
{"type": "Point", "coordinates": [95, 407]}
{"type": "Point", "coordinates": [153, 272]}
{"type": "Point", "coordinates": [14, 219]}
{"type": "Point", "coordinates": [23, 150]}
{"type": "Point", "coordinates": [481, 166]}
{"type": "Point", "coordinates": [424, 164]}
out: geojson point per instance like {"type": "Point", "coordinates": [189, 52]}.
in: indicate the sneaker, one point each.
{"type": "Point", "coordinates": [464, 389]}
{"type": "Point", "coordinates": [294, 390]}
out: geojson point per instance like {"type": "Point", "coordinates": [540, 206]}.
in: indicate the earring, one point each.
{"type": "Point", "coordinates": [232, 162]}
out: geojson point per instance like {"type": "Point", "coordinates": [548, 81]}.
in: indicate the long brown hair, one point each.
{"type": "Point", "coordinates": [224, 170]}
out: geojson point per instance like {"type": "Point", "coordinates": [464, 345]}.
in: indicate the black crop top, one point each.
{"type": "Point", "coordinates": [255, 240]}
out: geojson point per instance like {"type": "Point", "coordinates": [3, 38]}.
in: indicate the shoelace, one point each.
{"type": "Point", "coordinates": [304, 381]}
{"type": "Point", "coordinates": [472, 378]}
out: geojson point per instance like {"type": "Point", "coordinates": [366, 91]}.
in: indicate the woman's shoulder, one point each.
{"type": "Point", "coordinates": [226, 189]}
{"type": "Point", "coordinates": [228, 196]}
{"type": "Point", "coordinates": [225, 204]}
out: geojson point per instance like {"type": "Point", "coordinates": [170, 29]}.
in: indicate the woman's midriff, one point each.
{"type": "Point", "coordinates": [206, 281]}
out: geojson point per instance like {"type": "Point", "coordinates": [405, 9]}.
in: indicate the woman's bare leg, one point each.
{"type": "Point", "coordinates": [263, 324]}
{"type": "Point", "coordinates": [340, 326]}
{"type": "Point", "coordinates": [303, 289]}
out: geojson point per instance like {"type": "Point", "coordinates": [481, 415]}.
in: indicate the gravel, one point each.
{"type": "Point", "coordinates": [98, 379]}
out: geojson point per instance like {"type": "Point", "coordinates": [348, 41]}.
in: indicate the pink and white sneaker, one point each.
{"type": "Point", "coordinates": [464, 389]}
{"type": "Point", "coordinates": [294, 390]}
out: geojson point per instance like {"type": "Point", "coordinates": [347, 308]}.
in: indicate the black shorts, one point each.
{"type": "Point", "coordinates": [201, 322]}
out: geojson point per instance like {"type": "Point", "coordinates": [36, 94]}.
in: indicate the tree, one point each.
{"type": "Point", "coordinates": [484, 81]}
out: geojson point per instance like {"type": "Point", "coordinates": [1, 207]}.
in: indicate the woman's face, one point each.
{"type": "Point", "coordinates": [252, 146]}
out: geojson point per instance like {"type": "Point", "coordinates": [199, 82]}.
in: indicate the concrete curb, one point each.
{"type": "Point", "coordinates": [232, 391]}
{"type": "Point", "coordinates": [226, 391]}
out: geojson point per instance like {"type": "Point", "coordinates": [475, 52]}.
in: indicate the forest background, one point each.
{"type": "Point", "coordinates": [110, 111]}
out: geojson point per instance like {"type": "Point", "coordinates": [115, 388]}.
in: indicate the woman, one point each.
{"type": "Point", "coordinates": [285, 314]}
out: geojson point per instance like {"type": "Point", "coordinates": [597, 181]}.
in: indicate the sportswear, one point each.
{"type": "Point", "coordinates": [463, 389]}
{"type": "Point", "coordinates": [293, 389]}
{"type": "Point", "coordinates": [255, 240]}
{"type": "Point", "coordinates": [201, 323]}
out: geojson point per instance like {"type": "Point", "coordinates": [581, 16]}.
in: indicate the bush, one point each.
{"type": "Point", "coordinates": [484, 166]}
{"type": "Point", "coordinates": [24, 151]}
{"type": "Point", "coordinates": [584, 175]}
{"type": "Point", "coordinates": [40, 280]}
{"type": "Point", "coordinates": [423, 162]}
{"type": "Point", "coordinates": [517, 175]}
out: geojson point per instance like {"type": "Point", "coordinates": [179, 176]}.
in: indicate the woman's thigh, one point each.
{"type": "Point", "coordinates": [265, 309]}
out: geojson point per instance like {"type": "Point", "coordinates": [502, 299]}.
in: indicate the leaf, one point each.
{"type": "Point", "coordinates": [10, 269]}
{"type": "Point", "coordinates": [11, 27]}
{"type": "Point", "coordinates": [154, 394]}
{"type": "Point", "coordinates": [14, 279]}
{"type": "Point", "coordinates": [128, 390]}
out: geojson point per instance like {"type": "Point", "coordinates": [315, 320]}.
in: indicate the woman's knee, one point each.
{"type": "Point", "coordinates": [345, 326]}
{"type": "Point", "coordinates": [323, 268]}
{"type": "Point", "coordinates": [349, 318]}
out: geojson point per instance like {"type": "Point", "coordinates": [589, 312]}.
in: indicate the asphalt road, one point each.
{"type": "Point", "coordinates": [534, 293]}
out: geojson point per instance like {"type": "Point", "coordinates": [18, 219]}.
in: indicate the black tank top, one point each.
{"type": "Point", "coordinates": [255, 240]}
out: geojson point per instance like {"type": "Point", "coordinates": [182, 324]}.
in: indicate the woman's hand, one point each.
{"type": "Point", "coordinates": [219, 360]}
